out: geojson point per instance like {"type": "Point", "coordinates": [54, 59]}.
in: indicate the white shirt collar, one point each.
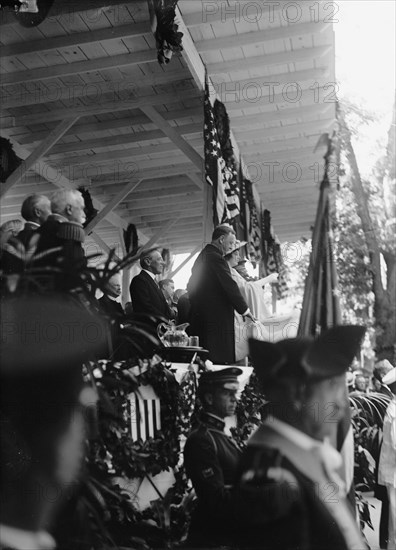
{"type": "Point", "coordinates": [152, 275]}
{"type": "Point", "coordinates": [329, 455]}
{"type": "Point", "coordinates": [32, 224]}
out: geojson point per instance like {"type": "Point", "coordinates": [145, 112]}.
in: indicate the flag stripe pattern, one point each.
{"type": "Point", "coordinates": [221, 177]}
{"type": "Point", "coordinates": [145, 417]}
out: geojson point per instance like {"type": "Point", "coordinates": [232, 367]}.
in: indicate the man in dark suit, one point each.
{"type": "Point", "coordinates": [289, 475]}
{"type": "Point", "coordinates": [214, 296]}
{"type": "Point", "coordinates": [146, 295]}
{"type": "Point", "coordinates": [35, 210]}
{"type": "Point", "coordinates": [211, 458]}
{"type": "Point", "coordinates": [116, 317]}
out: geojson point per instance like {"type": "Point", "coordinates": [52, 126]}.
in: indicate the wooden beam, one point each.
{"type": "Point", "coordinates": [268, 60]}
{"type": "Point", "coordinates": [39, 152]}
{"type": "Point", "coordinates": [59, 180]}
{"type": "Point", "coordinates": [315, 127]}
{"type": "Point", "coordinates": [39, 93]}
{"type": "Point", "coordinates": [259, 37]}
{"type": "Point", "coordinates": [159, 233]}
{"type": "Point", "coordinates": [89, 66]}
{"type": "Point", "coordinates": [249, 89]}
{"type": "Point", "coordinates": [184, 262]}
{"type": "Point", "coordinates": [98, 108]}
{"type": "Point", "coordinates": [196, 179]}
{"type": "Point", "coordinates": [112, 204]}
{"type": "Point", "coordinates": [173, 135]}
{"type": "Point", "coordinates": [83, 128]}
{"type": "Point", "coordinates": [76, 39]}
{"type": "Point", "coordinates": [122, 139]}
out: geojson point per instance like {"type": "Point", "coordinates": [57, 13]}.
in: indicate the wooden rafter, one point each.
{"type": "Point", "coordinates": [268, 60]}
{"type": "Point", "coordinates": [98, 108]}
{"type": "Point", "coordinates": [184, 262]}
{"type": "Point", "coordinates": [259, 37]}
{"type": "Point", "coordinates": [83, 128]}
{"type": "Point", "coordinates": [100, 242]}
{"type": "Point", "coordinates": [112, 204]}
{"type": "Point", "coordinates": [36, 155]}
{"type": "Point", "coordinates": [173, 135]}
{"type": "Point", "coordinates": [51, 174]}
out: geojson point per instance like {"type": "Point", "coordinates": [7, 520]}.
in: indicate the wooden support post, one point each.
{"type": "Point", "coordinates": [129, 187]}
{"type": "Point", "coordinates": [39, 152]}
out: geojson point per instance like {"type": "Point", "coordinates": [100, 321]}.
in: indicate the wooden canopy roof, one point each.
{"type": "Point", "coordinates": [85, 102]}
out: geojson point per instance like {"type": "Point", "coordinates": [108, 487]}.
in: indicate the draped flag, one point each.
{"type": "Point", "coordinates": [220, 165]}
{"type": "Point", "coordinates": [272, 255]}
{"type": "Point", "coordinates": [321, 308]}
{"type": "Point", "coordinates": [214, 162]}
{"type": "Point", "coordinates": [253, 235]}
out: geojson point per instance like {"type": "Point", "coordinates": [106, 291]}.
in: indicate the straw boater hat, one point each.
{"type": "Point", "coordinates": [237, 246]}
{"type": "Point", "coordinates": [390, 377]}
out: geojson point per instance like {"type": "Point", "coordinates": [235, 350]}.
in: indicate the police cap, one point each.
{"type": "Point", "coordinates": [225, 378]}
{"type": "Point", "coordinates": [305, 358]}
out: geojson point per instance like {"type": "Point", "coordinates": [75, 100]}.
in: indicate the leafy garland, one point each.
{"type": "Point", "coordinates": [248, 411]}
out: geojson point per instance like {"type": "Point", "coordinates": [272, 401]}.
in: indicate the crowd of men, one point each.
{"type": "Point", "coordinates": [283, 491]}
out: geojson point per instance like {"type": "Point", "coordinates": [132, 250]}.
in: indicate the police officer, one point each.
{"type": "Point", "coordinates": [289, 482]}
{"type": "Point", "coordinates": [211, 459]}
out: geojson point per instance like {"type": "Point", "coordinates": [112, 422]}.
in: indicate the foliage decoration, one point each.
{"type": "Point", "coordinates": [248, 411]}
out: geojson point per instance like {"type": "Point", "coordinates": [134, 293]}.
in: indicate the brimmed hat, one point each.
{"type": "Point", "coordinates": [225, 378]}
{"type": "Point", "coordinates": [390, 377]}
{"type": "Point", "coordinates": [327, 356]}
{"type": "Point", "coordinates": [237, 246]}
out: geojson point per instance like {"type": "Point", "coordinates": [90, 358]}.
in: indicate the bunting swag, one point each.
{"type": "Point", "coordinates": [272, 255]}
{"type": "Point", "coordinates": [321, 309]}
{"type": "Point", "coordinates": [214, 162]}
{"type": "Point", "coordinates": [230, 172]}
{"type": "Point", "coordinates": [167, 36]}
{"type": "Point", "coordinates": [252, 225]}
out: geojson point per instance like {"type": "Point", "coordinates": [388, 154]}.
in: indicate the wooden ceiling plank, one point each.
{"type": "Point", "coordinates": [98, 108]}
{"type": "Point", "coordinates": [316, 126]}
{"type": "Point", "coordinates": [268, 60]}
{"type": "Point", "coordinates": [83, 128]}
{"type": "Point", "coordinates": [76, 39]}
{"type": "Point", "coordinates": [122, 139]}
{"type": "Point", "coordinates": [59, 180]}
{"type": "Point", "coordinates": [36, 155]}
{"type": "Point", "coordinates": [112, 204]}
{"type": "Point", "coordinates": [160, 233]}
{"type": "Point", "coordinates": [91, 65]}
{"type": "Point", "coordinates": [94, 90]}
{"type": "Point", "coordinates": [173, 135]}
{"type": "Point", "coordinates": [258, 37]}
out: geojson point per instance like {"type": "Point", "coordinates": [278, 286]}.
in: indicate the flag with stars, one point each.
{"type": "Point", "coordinates": [214, 163]}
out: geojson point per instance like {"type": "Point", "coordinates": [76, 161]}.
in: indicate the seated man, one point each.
{"type": "Point", "coordinates": [211, 458]}
{"type": "Point", "coordinates": [289, 483]}
{"type": "Point", "coordinates": [35, 210]}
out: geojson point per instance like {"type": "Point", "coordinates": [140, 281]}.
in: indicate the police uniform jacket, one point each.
{"type": "Point", "coordinates": [211, 459]}
{"type": "Point", "coordinates": [290, 502]}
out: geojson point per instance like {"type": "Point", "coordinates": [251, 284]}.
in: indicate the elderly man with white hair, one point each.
{"type": "Point", "coordinates": [35, 211]}
{"type": "Point", "coordinates": [63, 230]}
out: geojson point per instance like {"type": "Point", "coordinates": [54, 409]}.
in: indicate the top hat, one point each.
{"type": "Point", "coordinates": [307, 359]}
{"type": "Point", "coordinates": [225, 378]}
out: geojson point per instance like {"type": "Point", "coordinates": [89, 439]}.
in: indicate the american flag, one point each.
{"type": "Point", "coordinates": [272, 255]}
{"type": "Point", "coordinates": [222, 178]}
